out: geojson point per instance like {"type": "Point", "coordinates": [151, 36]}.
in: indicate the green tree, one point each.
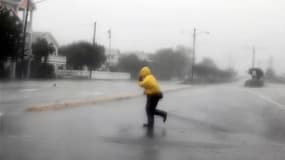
{"type": "Point", "coordinates": [207, 71]}
{"type": "Point", "coordinates": [162, 63]}
{"type": "Point", "coordinates": [42, 49]}
{"type": "Point", "coordinates": [82, 54]}
{"type": "Point", "coordinates": [11, 38]}
{"type": "Point", "coordinates": [168, 63]}
{"type": "Point", "coordinates": [10, 34]}
{"type": "Point", "coordinates": [131, 63]}
{"type": "Point", "coordinates": [208, 62]}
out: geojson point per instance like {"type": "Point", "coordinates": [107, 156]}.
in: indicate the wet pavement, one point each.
{"type": "Point", "coordinates": [223, 122]}
{"type": "Point", "coordinates": [15, 96]}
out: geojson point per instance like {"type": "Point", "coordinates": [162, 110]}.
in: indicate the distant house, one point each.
{"type": "Point", "coordinates": [59, 62]}
{"type": "Point", "coordinates": [50, 39]}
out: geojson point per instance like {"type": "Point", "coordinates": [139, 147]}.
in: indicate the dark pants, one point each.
{"type": "Point", "coordinates": [151, 104]}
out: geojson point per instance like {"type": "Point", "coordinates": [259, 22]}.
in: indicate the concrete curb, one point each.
{"type": "Point", "coordinates": [70, 104]}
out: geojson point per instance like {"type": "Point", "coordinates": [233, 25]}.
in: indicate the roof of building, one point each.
{"type": "Point", "coordinates": [21, 4]}
{"type": "Point", "coordinates": [11, 1]}
{"type": "Point", "coordinates": [24, 3]}
{"type": "Point", "coordinates": [46, 35]}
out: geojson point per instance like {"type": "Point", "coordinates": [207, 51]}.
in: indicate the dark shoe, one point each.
{"type": "Point", "coordinates": [165, 118]}
{"type": "Point", "coordinates": [146, 125]}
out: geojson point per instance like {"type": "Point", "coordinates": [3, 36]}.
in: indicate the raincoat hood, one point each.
{"type": "Point", "coordinates": [145, 71]}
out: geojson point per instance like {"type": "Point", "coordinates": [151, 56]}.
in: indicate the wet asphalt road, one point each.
{"type": "Point", "coordinates": [223, 122]}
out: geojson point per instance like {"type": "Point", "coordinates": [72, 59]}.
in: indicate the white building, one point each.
{"type": "Point", "coordinates": [59, 62]}
{"type": "Point", "coordinates": [19, 8]}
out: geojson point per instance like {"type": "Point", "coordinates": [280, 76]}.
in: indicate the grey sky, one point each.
{"type": "Point", "coordinates": [147, 25]}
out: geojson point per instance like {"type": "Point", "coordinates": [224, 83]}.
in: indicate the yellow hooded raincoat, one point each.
{"type": "Point", "coordinates": [148, 82]}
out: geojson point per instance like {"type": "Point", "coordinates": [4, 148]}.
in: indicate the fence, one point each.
{"type": "Point", "coordinates": [95, 75]}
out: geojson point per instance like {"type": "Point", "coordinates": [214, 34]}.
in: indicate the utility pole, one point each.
{"type": "Point", "coordinates": [193, 56]}
{"type": "Point", "coordinates": [30, 46]}
{"type": "Point", "coordinates": [110, 40]}
{"type": "Point", "coordinates": [110, 47]}
{"type": "Point", "coordinates": [24, 37]}
{"type": "Point", "coordinates": [270, 62]}
{"type": "Point", "coordinates": [230, 61]}
{"type": "Point", "coordinates": [94, 34]}
{"type": "Point", "coordinates": [30, 57]}
{"type": "Point", "coordinates": [253, 56]}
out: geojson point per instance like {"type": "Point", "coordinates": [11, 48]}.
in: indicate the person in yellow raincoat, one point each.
{"type": "Point", "coordinates": [153, 94]}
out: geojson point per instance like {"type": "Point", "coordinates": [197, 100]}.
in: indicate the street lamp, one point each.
{"type": "Point", "coordinates": [253, 56]}
{"type": "Point", "coordinates": [195, 33]}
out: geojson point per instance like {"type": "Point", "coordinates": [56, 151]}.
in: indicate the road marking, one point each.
{"type": "Point", "coordinates": [267, 99]}
{"type": "Point", "coordinates": [29, 90]}
{"type": "Point", "coordinates": [91, 93]}
{"type": "Point", "coordinates": [67, 104]}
